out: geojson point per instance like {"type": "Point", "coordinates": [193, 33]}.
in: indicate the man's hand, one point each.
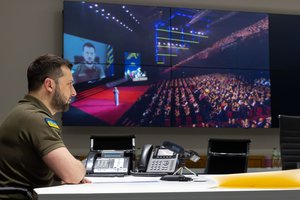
{"type": "Point", "coordinates": [85, 180]}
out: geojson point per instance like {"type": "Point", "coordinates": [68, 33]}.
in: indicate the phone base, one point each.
{"type": "Point", "coordinates": [175, 178]}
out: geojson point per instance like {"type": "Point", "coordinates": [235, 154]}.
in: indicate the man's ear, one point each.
{"type": "Point", "coordinates": [49, 84]}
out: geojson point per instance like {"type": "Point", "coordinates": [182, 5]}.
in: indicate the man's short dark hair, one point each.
{"type": "Point", "coordinates": [45, 66]}
{"type": "Point", "coordinates": [88, 44]}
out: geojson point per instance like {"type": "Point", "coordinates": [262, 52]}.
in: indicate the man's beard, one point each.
{"type": "Point", "coordinates": [58, 102]}
{"type": "Point", "coordinates": [90, 62]}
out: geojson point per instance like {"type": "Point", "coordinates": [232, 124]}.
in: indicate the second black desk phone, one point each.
{"type": "Point", "coordinates": [157, 159]}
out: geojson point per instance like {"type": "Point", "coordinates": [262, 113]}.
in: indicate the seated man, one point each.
{"type": "Point", "coordinates": [32, 150]}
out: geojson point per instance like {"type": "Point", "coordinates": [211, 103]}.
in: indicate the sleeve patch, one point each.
{"type": "Point", "coordinates": [52, 123]}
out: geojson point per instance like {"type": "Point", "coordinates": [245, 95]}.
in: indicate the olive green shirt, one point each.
{"type": "Point", "coordinates": [28, 133]}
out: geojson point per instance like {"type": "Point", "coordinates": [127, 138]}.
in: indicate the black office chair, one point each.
{"type": "Point", "coordinates": [20, 193]}
{"type": "Point", "coordinates": [289, 127]}
{"type": "Point", "coordinates": [226, 156]}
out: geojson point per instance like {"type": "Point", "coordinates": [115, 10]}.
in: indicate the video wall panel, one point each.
{"type": "Point", "coordinates": [173, 67]}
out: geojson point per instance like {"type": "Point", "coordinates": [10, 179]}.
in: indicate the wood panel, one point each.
{"type": "Point", "coordinates": [255, 161]}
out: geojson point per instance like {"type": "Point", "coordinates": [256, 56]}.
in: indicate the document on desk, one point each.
{"type": "Point", "coordinates": [272, 179]}
{"type": "Point", "coordinates": [130, 184]}
{"type": "Point", "coordinates": [126, 179]}
{"type": "Point", "coordinates": [203, 181]}
{"type": "Point", "coordinates": [134, 179]}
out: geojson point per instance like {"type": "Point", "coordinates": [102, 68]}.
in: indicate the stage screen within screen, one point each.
{"type": "Point", "coordinates": [171, 67]}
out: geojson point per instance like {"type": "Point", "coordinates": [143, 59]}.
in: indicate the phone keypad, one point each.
{"type": "Point", "coordinates": [111, 165]}
{"type": "Point", "coordinates": [161, 165]}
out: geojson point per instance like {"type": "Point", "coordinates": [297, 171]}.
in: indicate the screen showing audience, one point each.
{"type": "Point", "coordinates": [171, 67]}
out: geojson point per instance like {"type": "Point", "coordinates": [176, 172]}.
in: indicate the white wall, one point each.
{"type": "Point", "coordinates": [34, 27]}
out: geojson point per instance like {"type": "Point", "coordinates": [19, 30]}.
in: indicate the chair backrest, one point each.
{"type": "Point", "coordinates": [16, 192]}
{"type": "Point", "coordinates": [289, 127]}
{"type": "Point", "coordinates": [113, 142]}
{"type": "Point", "coordinates": [226, 156]}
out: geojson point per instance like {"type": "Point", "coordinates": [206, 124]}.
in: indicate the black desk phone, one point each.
{"type": "Point", "coordinates": [157, 160]}
{"type": "Point", "coordinates": [107, 162]}
{"type": "Point", "coordinates": [110, 155]}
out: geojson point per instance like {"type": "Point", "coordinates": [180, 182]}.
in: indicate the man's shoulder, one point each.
{"type": "Point", "coordinates": [30, 114]}
{"type": "Point", "coordinates": [78, 66]}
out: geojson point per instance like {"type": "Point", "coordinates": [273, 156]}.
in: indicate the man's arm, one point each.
{"type": "Point", "coordinates": [65, 166]}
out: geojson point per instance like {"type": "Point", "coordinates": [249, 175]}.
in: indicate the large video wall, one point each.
{"type": "Point", "coordinates": [172, 67]}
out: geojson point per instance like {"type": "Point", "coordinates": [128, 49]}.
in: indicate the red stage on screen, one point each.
{"type": "Point", "coordinates": [102, 106]}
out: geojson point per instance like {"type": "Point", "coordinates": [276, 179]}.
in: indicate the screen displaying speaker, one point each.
{"type": "Point", "coordinates": [173, 67]}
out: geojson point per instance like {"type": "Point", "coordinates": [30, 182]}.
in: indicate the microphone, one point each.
{"type": "Point", "coordinates": [173, 147]}
{"type": "Point", "coordinates": [192, 155]}
{"type": "Point", "coordinates": [183, 155]}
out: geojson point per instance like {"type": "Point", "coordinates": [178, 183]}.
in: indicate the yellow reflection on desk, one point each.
{"type": "Point", "coordinates": [273, 179]}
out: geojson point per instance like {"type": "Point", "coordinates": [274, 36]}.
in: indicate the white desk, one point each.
{"type": "Point", "coordinates": [137, 188]}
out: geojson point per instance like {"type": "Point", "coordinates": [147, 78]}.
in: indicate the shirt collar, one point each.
{"type": "Point", "coordinates": [35, 101]}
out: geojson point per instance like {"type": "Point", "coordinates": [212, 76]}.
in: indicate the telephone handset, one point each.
{"type": "Point", "coordinates": [145, 156]}
{"type": "Point", "coordinates": [90, 161]}
{"type": "Point", "coordinates": [157, 159]}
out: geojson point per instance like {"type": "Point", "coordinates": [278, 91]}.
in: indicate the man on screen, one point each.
{"type": "Point", "coordinates": [88, 69]}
